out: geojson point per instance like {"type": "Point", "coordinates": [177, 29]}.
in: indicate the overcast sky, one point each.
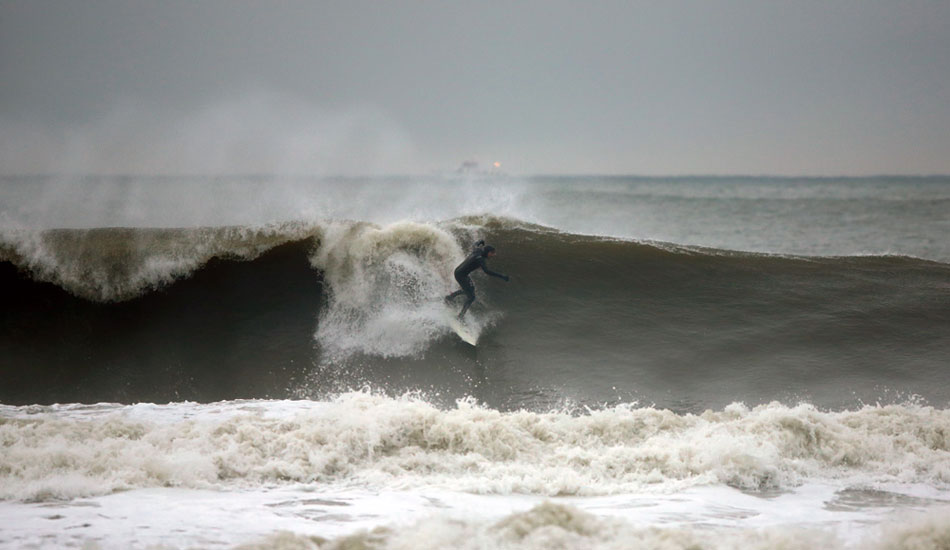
{"type": "Point", "coordinates": [662, 87]}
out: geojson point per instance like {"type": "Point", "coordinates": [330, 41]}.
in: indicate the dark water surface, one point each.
{"type": "Point", "coordinates": [585, 321]}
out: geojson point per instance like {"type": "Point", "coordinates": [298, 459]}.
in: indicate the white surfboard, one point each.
{"type": "Point", "coordinates": [465, 332]}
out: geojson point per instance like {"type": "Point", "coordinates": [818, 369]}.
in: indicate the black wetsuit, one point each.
{"type": "Point", "coordinates": [475, 260]}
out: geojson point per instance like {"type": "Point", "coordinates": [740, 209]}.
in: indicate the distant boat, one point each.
{"type": "Point", "coordinates": [468, 167]}
{"type": "Point", "coordinates": [472, 167]}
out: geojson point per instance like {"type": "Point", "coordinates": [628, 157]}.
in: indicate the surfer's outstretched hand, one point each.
{"type": "Point", "coordinates": [507, 278]}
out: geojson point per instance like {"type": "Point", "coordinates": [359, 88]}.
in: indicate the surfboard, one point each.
{"type": "Point", "coordinates": [465, 332]}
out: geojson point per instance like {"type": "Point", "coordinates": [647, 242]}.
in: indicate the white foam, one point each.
{"type": "Point", "coordinates": [299, 517]}
{"type": "Point", "coordinates": [385, 286]}
{"type": "Point", "coordinates": [375, 441]}
{"type": "Point", "coordinates": [551, 525]}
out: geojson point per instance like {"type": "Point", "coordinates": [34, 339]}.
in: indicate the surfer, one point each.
{"type": "Point", "coordinates": [477, 259]}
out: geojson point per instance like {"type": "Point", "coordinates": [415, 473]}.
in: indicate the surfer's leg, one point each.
{"type": "Point", "coordinates": [463, 282]}
{"type": "Point", "coordinates": [469, 289]}
{"type": "Point", "coordinates": [465, 306]}
{"type": "Point", "coordinates": [454, 295]}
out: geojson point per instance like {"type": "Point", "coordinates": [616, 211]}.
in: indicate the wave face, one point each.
{"type": "Point", "coordinates": [308, 310]}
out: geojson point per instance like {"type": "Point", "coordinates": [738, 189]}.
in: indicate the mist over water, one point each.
{"type": "Point", "coordinates": [251, 131]}
{"type": "Point", "coordinates": [89, 202]}
{"type": "Point", "coordinates": [802, 216]}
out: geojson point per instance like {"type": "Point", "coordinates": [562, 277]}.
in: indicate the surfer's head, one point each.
{"type": "Point", "coordinates": [489, 251]}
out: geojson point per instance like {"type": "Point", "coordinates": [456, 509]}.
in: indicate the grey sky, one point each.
{"type": "Point", "coordinates": [796, 87]}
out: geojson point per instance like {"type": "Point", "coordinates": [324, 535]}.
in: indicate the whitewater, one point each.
{"type": "Point", "coordinates": [677, 363]}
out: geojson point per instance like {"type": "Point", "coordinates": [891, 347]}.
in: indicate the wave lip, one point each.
{"type": "Point", "coordinates": [375, 441]}
{"type": "Point", "coordinates": [117, 264]}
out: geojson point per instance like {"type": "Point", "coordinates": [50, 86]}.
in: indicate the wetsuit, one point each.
{"type": "Point", "coordinates": [475, 260]}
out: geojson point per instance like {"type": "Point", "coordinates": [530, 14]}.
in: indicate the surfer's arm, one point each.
{"type": "Point", "coordinates": [492, 273]}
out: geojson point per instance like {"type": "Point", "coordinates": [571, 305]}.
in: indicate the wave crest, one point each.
{"type": "Point", "coordinates": [116, 264]}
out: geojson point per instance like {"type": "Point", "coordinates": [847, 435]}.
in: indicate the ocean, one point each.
{"type": "Point", "coordinates": [676, 363]}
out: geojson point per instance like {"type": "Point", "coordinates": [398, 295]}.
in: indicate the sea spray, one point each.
{"type": "Point", "coordinates": [384, 287]}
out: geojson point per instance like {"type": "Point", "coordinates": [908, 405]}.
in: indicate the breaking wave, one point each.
{"type": "Point", "coordinates": [262, 305]}
{"type": "Point", "coordinates": [370, 440]}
